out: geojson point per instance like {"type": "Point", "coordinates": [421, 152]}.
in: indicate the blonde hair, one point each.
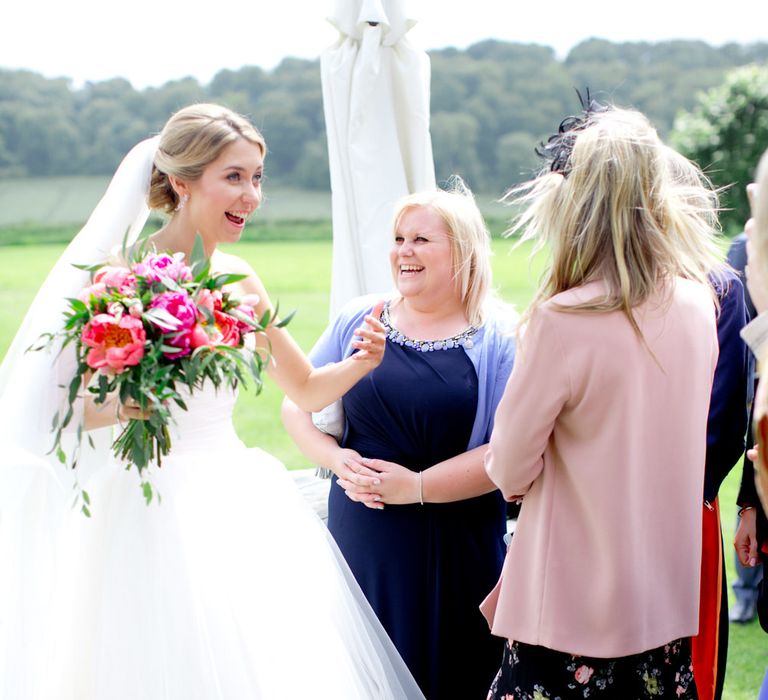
{"type": "Point", "coordinates": [630, 211]}
{"type": "Point", "coordinates": [191, 139]}
{"type": "Point", "coordinates": [469, 237]}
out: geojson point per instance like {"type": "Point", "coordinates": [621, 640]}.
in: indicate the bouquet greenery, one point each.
{"type": "Point", "coordinates": [145, 329]}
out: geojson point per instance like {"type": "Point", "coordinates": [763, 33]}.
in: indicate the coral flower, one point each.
{"type": "Point", "coordinates": [223, 331]}
{"type": "Point", "coordinates": [115, 344]}
{"type": "Point", "coordinates": [227, 329]}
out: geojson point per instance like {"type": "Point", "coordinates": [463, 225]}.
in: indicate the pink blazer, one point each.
{"type": "Point", "coordinates": [606, 441]}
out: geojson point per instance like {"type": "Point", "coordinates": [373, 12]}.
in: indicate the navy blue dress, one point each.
{"type": "Point", "coordinates": [424, 569]}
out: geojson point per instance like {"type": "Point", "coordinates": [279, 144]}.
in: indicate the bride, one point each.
{"type": "Point", "coordinates": [230, 588]}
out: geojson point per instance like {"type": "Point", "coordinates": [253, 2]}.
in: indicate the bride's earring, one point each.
{"type": "Point", "coordinates": [182, 201]}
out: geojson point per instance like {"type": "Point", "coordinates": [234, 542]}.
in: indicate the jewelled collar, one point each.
{"type": "Point", "coordinates": [463, 339]}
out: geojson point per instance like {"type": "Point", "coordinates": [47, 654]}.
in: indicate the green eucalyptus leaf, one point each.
{"type": "Point", "coordinates": [198, 251]}
{"type": "Point", "coordinates": [74, 387]}
{"type": "Point", "coordinates": [220, 280]}
{"type": "Point", "coordinates": [88, 268]}
{"type": "Point", "coordinates": [77, 305]}
{"type": "Point", "coordinates": [284, 322]}
{"type": "Point", "coordinates": [103, 388]}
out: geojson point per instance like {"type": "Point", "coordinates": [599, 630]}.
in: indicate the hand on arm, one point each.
{"type": "Point", "coordinates": [454, 479]}
{"type": "Point", "coordinates": [322, 449]}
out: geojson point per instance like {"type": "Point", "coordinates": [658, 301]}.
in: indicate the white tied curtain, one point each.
{"type": "Point", "coordinates": [376, 103]}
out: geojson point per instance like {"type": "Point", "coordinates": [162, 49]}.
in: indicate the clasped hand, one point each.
{"type": "Point", "coordinates": [376, 482]}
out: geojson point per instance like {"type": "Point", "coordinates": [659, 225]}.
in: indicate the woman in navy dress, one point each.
{"type": "Point", "coordinates": [411, 506]}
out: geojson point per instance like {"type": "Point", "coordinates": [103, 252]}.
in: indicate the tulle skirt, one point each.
{"type": "Point", "coordinates": [229, 587]}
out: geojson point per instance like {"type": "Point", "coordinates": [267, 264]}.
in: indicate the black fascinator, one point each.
{"type": "Point", "coordinates": [558, 147]}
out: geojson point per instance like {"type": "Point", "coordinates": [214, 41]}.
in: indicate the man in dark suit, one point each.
{"type": "Point", "coordinates": [748, 578]}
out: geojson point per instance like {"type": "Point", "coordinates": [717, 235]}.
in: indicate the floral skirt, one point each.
{"type": "Point", "coordinates": [536, 673]}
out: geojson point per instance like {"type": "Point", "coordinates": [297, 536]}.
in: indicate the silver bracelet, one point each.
{"type": "Point", "coordinates": [421, 488]}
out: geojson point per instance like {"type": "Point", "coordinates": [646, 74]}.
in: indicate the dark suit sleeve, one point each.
{"type": "Point", "coordinates": [747, 489]}
{"type": "Point", "coordinates": [728, 418]}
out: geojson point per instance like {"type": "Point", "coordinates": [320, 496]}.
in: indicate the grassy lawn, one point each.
{"type": "Point", "coordinates": [297, 273]}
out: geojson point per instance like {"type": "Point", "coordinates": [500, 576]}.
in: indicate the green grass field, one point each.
{"type": "Point", "coordinates": [297, 273]}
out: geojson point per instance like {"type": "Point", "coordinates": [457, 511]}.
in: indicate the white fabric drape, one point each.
{"type": "Point", "coordinates": [376, 103]}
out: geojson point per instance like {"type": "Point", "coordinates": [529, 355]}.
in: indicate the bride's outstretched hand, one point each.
{"type": "Point", "coordinates": [370, 340]}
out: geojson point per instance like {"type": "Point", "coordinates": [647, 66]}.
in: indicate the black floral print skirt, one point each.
{"type": "Point", "coordinates": [536, 673]}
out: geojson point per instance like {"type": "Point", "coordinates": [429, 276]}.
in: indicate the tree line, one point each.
{"type": "Point", "coordinates": [491, 104]}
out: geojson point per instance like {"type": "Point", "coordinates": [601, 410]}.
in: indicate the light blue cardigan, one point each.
{"type": "Point", "coordinates": [492, 354]}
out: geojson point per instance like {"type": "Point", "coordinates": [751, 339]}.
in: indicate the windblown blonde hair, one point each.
{"type": "Point", "coordinates": [191, 139]}
{"type": "Point", "coordinates": [630, 211]}
{"type": "Point", "coordinates": [470, 241]}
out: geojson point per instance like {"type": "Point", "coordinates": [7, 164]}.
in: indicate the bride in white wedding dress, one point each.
{"type": "Point", "coordinates": [230, 588]}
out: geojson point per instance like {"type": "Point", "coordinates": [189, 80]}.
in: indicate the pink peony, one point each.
{"type": "Point", "coordinates": [118, 278]}
{"type": "Point", "coordinates": [248, 312]}
{"type": "Point", "coordinates": [209, 299]}
{"type": "Point", "coordinates": [115, 344]}
{"type": "Point", "coordinates": [154, 267]}
{"type": "Point", "coordinates": [583, 674]}
{"type": "Point", "coordinates": [95, 291]}
{"type": "Point", "coordinates": [247, 307]}
{"type": "Point", "coordinates": [183, 309]}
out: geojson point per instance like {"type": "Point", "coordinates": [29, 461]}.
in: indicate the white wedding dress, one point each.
{"type": "Point", "coordinates": [229, 588]}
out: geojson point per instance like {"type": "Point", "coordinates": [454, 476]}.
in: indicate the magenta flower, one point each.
{"type": "Point", "coordinates": [115, 343]}
{"type": "Point", "coordinates": [178, 327]}
{"type": "Point", "coordinates": [154, 267]}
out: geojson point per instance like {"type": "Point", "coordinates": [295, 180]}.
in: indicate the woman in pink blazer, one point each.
{"type": "Point", "coordinates": [602, 427]}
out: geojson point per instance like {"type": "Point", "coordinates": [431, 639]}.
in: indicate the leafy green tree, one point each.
{"type": "Point", "coordinates": [517, 159]}
{"type": "Point", "coordinates": [250, 81]}
{"type": "Point", "coordinates": [454, 143]}
{"type": "Point", "coordinates": [725, 133]}
{"type": "Point", "coordinates": [491, 103]}
{"type": "Point", "coordinates": [312, 170]}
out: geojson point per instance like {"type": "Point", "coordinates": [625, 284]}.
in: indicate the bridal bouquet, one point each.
{"type": "Point", "coordinates": [143, 330]}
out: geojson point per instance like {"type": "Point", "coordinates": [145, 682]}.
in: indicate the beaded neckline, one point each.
{"type": "Point", "coordinates": [463, 339]}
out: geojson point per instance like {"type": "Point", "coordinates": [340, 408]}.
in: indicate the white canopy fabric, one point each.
{"type": "Point", "coordinates": [376, 104]}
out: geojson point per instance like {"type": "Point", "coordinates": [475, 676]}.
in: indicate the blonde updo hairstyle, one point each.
{"type": "Point", "coordinates": [191, 139]}
{"type": "Point", "coordinates": [626, 210]}
{"type": "Point", "coordinates": [470, 241]}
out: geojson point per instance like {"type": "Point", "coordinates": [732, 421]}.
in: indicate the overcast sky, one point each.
{"type": "Point", "coordinates": [152, 41]}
